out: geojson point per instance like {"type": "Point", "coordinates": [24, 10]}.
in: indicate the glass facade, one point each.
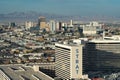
{"type": "Point", "coordinates": [103, 56]}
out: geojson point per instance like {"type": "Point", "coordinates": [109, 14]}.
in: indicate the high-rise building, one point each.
{"type": "Point", "coordinates": [59, 26]}
{"type": "Point", "coordinates": [71, 23]}
{"type": "Point", "coordinates": [42, 22]}
{"type": "Point", "coordinates": [52, 26]}
{"type": "Point", "coordinates": [91, 29]}
{"type": "Point", "coordinates": [28, 24]}
{"type": "Point", "coordinates": [12, 24]}
{"type": "Point", "coordinates": [68, 63]}
{"type": "Point", "coordinates": [103, 55]}
{"type": "Point", "coordinates": [94, 55]}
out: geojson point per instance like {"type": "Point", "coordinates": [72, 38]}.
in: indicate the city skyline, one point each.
{"type": "Point", "coordinates": [63, 7]}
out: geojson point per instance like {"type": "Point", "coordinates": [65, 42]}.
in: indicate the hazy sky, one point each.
{"type": "Point", "coordinates": [67, 7]}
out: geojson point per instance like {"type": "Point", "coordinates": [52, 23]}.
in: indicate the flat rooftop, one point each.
{"type": "Point", "coordinates": [22, 72]}
{"type": "Point", "coordinates": [104, 41]}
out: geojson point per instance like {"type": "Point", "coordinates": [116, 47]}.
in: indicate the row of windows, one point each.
{"type": "Point", "coordinates": [63, 62]}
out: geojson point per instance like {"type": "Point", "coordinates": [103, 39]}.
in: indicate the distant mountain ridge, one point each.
{"type": "Point", "coordinates": [30, 16]}
{"type": "Point", "coordinates": [33, 16]}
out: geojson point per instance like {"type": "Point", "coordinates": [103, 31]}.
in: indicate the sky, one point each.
{"type": "Point", "coordinates": [65, 7]}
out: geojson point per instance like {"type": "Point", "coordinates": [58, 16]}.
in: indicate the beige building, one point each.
{"type": "Point", "coordinates": [42, 22]}
{"type": "Point", "coordinates": [42, 25]}
{"type": "Point", "coordinates": [68, 64]}
{"type": "Point", "coordinates": [52, 26]}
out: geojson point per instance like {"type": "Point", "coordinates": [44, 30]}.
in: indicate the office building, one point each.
{"type": "Point", "coordinates": [68, 63]}
{"type": "Point", "coordinates": [71, 23]}
{"type": "Point", "coordinates": [103, 55]}
{"type": "Point", "coordinates": [91, 28]}
{"type": "Point", "coordinates": [52, 26]}
{"type": "Point", "coordinates": [59, 26]}
{"type": "Point", "coordinates": [64, 25]}
{"type": "Point", "coordinates": [28, 24]}
{"type": "Point", "coordinates": [12, 24]}
{"type": "Point", "coordinates": [42, 22]}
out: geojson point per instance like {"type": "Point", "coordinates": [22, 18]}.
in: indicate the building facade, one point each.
{"type": "Point", "coordinates": [28, 24]}
{"type": "Point", "coordinates": [52, 26]}
{"type": "Point", "coordinates": [59, 26]}
{"type": "Point", "coordinates": [91, 28]}
{"type": "Point", "coordinates": [68, 63]}
{"type": "Point", "coordinates": [103, 55]}
{"type": "Point", "coordinates": [42, 22]}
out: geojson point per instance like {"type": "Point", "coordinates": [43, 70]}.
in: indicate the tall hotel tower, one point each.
{"type": "Point", "coordinates": [42, 22]}
{"type": "Point", "coordinates": [52, 26]}
{"type": "Point", "coordinates": [68, 64]}
{"type": "Point", "coordinates": [103, 55]}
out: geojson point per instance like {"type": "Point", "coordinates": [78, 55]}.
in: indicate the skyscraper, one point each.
{"type": "Point", "coordinates": [103, 55]}
{"type": "Point", "coordinates": [42, 22]}
{"type": "Point", "coordinates": [52, 26]}
{"type": "Point", "coordinates": [59, 26]}
{"type": "Point", "coordinates": [12, 24]}
{"type": "Point", "coordinates": [71, 23]}
{"type": "Point", "coordinates": [68, 64]}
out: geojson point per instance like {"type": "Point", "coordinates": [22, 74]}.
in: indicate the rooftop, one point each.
{"type": "Point", "coordinates": [22, 72]}
{"type": "Point", "coordinates": [68, 45]}
{"type": "Point", "coordinates": [105, 41]}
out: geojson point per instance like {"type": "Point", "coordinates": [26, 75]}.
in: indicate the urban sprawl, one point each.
{"type": "Point", "coordinates": [60, 50]}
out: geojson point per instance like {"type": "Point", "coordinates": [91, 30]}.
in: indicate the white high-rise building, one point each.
{"type": "Point", "coordinates": [91, 29]}
{"type": "Point", "coordinates": [28, 24]}
{"type": "Point", "coordinates": [52, 26]}
{"type": "Point", "coordinates": [68, 64]}
{"type": "Point", "coordinates": [71, 23]}
{"type": "Point", "coordinates": [94, 23]}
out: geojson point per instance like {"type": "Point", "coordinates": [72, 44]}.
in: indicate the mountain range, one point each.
{"type": "Point", "coordinates": [21, 17]}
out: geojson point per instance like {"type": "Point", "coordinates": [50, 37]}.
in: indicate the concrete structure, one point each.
{"type": "Point", "coordinates": [103, 55]}
{"type": "Point", "coordinates": [50, 66]}
{"type": "Point", "coordinates": [35, 67]}
{"type": "Point", "coordinates": [64, 24]}
{"type": "Point", "coordinates": [80, 41]}
{"type": "Point", "coordinates": [52, 26]}
{"type": "Point", "coordinates": [59, 26]}
{"type": "Point", "coordinates": [91, 29]}
{"type": "Point", "coordinates": [22, 72]}
{"type": "Point", "coordinates": [68, 64]}
{"type": "Point", "coordinates": [3, 76]}
{"type": "Point", "coordinates": [71, 23]}
{"type": "Point", "coordinates": [113, 37]}
{"type": "Point", "coordinates": [12, 24]}
{"type": "Point", "coordinates": [42, 22]}
{"type": "Point", "coordinates": [28, 24]}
